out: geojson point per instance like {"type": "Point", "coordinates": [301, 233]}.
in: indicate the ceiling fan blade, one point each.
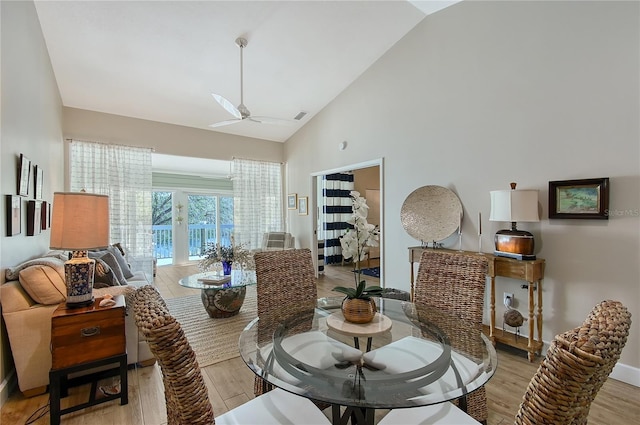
{"type": "Point", "coordinates": [270, 120]}
{"type": "Point", "coordinates": [227, 122]}
{"type": "Point", "coordinates": [228, 106]}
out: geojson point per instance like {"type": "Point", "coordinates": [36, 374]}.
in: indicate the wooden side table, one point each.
{"type": "Point", "coordinates": [531, 271]}
{"type": "Point", "coordinates": [86, 338]}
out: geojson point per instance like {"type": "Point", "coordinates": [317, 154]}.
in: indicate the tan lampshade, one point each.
{"type": "Point", "coordinates": [514, 205]}
{"type": "Point", "coordinates": [80, 221]}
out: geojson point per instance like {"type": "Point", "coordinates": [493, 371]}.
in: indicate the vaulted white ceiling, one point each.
{"type": "Point", "coordinates": [161, 60]}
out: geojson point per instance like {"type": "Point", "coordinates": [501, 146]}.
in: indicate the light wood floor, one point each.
{"type": "Point", "coordinates": [230, 382]}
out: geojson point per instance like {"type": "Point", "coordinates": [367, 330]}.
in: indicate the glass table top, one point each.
{"type": "Point", "coordinates": [207, 280]}
{"type": "Point", "coordinates": [427, 356]}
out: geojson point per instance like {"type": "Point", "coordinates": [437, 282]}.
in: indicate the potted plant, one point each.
{"type": "Point", "coordinates": [225, 254]}
{"type": "Point", "coordinates": [358, 306]}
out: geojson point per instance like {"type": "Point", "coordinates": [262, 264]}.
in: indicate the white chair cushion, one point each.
{"type": "Point", "coordinates": [443, 413]}
{"type": "Point", "coordinates": [277, 407]}
{"type": "Point", "coordinates": [410, 353]}
{"type": "Point", "coordinates": [313, 348]}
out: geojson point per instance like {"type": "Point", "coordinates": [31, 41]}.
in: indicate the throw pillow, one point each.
{"type": "Point", "coordinates": [120, 248]}
{"type": "Point", "coordinates": [12, 273]}
{"type": "Point", "coordinates": [104, 276]}
{"type": "Point", "coordinates": [126, 271]}
{"type": "Point", "coordinates": [45, 284]}
{"type": "Point", "coordinates": [111, 261]}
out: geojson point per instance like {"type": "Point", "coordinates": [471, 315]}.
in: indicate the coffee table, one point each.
{"type": "Point", "coordinates": [221, 299]}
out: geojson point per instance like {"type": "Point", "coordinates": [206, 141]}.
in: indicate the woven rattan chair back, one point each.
{"type": "Point", "coordinates": [455, 282]}
{"type": "Point", "coordinates": [575, 367]}
{"type": "Point", "coordinates": [286, 288]}
{"type": "Point", "coordinates": [285, 278]}
{"type": "Point", "coordinates": [186, 396]}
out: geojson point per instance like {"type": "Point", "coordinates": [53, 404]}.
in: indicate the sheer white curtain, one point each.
{"type": "Point", "coordinates": [257, 200]}
{"type": "Point", "coordinates": [124, 174]}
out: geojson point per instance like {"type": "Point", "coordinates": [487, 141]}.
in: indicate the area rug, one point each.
{"type": "Point", "coordinates": [213, 340]}
{"type": "Point", "coordinates": [371, 271]}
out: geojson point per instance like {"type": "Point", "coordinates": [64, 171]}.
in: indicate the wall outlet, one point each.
{"type": "Point", "coordinates": [507, 299]}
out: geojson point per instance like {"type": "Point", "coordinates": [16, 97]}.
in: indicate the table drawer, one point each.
{"type": "Point", "coordinates": [87, 334]}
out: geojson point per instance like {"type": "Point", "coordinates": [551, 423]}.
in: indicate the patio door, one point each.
{"type": "Point", "coordinates": [210, 221]}
{"type": "Point", "coordinates": [185, 223]}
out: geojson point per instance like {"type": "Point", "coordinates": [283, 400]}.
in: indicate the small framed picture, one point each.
{"type": "Point", "coordinates": [24, 169]}
{"type": "Point", "coordinates": [303, 205]}
{"type": "Point", "coordinates": [582, 199]}
{"type": "Point", "coordinates": [34, 215]}
{"type": "Point", "coordinates": [14, 214]}
{"type": "Point", "coordinates": [38, 180]}
{"type": "Point", "coordinates": [292, 201]}
{"type": "Point", "coordinates": [44, 215]}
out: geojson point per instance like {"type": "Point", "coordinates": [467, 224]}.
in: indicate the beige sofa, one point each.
{"type": "Point", "coordinates": [29, 296]}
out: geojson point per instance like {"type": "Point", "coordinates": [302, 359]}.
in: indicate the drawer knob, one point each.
{"type": "Point", "coordinates": [92, 331]}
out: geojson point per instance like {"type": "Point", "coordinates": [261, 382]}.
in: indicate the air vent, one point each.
{"type": "Point", "coordinates": [300, 115]}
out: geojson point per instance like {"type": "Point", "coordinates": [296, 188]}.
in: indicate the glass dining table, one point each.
{"type": "Point", "coordinates": [423, 356]}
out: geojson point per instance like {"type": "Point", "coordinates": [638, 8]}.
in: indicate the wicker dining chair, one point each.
{"type": "Point", "coordinates": [576, 365]}
{"type": "Point", "coordinates": [186, 395]}
{"type": "Point", "coordinates": [568, 379]}
{"type": "Point", "coordinates": [453, 282]}
{"type": "Point", "coordinates": [286, 286]}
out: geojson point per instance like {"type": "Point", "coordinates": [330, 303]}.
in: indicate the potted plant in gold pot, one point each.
{"type": "Point", "coordinates": [358, 305]}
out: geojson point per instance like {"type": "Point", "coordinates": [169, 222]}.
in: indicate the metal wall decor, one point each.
{"type": "Point", "coordinates": [431, 214]}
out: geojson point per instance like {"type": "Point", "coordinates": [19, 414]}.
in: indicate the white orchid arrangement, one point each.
{"type": "Point", "coordinates": [353, 244]}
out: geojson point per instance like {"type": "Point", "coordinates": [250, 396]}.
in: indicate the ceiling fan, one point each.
{"type": "Point", "coordinates": [241, 113]}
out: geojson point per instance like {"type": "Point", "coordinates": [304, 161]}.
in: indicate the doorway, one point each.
{"type": "Point", "coordinates": [185, 223]}
{"type": "Point", "coordinates": [368, 176]}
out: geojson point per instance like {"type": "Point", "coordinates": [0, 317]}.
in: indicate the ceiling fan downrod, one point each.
{"type": "Point", "coordinates": [242, 43]}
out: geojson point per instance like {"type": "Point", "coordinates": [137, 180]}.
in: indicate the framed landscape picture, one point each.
{"type": "Point", "coordinates": [581, 199]}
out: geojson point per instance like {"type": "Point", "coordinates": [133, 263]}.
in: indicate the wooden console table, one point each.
{"type": "Point", "coordinates": [531, 271]}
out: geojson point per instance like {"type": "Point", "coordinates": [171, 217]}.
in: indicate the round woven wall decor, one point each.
{"type": "Point", "coordinates": [431, 213]}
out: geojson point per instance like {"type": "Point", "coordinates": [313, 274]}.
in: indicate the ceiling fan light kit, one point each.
{"type": "Point", "coordinates": [241, 112]}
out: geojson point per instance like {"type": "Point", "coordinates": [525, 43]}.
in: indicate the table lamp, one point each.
{"type": "Point", "coordinates": [514, 205]}
{"type": "Point", "coordinates": [79, 222]}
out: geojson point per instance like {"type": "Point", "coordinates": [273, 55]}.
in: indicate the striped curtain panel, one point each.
{"type": "Point", "coordinates": [336, 209]}
{"type": "Point", "coordinates": [124, 174]}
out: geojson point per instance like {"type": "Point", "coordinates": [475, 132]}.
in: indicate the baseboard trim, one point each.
{"type": "Point", "coordinates": [627, 374]}
{"type": "Point", "coordinates": [7, 386]}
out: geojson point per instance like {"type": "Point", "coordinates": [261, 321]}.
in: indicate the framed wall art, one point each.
{"type": "Point", "coordinates": [303, 205]}
{"type": "Point", "coordinates": [44, 215]}
{"type": "Point", "coordinates": [24, 169]}
{"type": "Point", "coordinates": [14, 214]}
{"type": "Point", "coordinates": [34, 215]}
{"type": "Point", "coordinates": [38, 180]}
{"type": "Point", "coordinates": [292, 201]}
{"type": "Point", "coordinates": [581, 199]}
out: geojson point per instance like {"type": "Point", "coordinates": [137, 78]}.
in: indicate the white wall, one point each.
{"type": "Point", "coordinates": [165, 138]}
{"type": "Point", "coordinates": [484, 93]}
{"type": "Point", "coordinates": [30, 124]}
